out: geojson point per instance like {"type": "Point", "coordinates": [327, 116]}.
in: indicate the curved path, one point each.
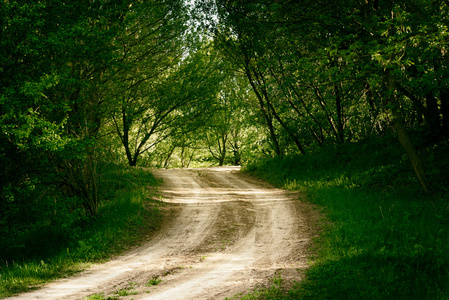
{"type": "Point", "coordinates": [230, 233]}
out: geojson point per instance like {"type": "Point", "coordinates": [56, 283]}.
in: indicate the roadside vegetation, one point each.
{"type": "Point", "coordinates": [382, 237]}
{"type": "Point", "coordinates": [71, 240]}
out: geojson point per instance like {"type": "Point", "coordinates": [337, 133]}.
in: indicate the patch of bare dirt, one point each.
{"type": "Point", "coordinates": [229, 234]}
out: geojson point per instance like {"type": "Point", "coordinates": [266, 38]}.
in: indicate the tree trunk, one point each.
{"type": "Point", "coordinates": [167, 160]}
{"type": "Point", "coordinates": [296, 109]}
{"type": "Point", "coordinates": [190, 158]}
{"type": "Point", "coordinates": [236, 148]}
{"type": "Point", "coordinates": [327, 113]}
{"type": "Point", "coordinates": [444, 98]}
{"type": "Point", "coordinates": [433, 116]}
{"type": "Point", "coordinates": [340, 127]}
{"type": "Point", "coordinates": [267, 117]}
{"type": "Point", "coordinates": [403, 136]}
{"type": "Point", "coordinates": [223, 151]}
{"type": "Point", "coordinates": [285, 126]}
{"type": "Point", "coordinates": [125, 137]}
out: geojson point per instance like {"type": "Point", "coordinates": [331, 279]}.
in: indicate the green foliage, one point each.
{"type": "Point", "coordinates": [145, 86]}
{"type": "Point", "coordinates": [124, 218]}
{"type": "Point", "coordinates": [49, 116]}
{"type": "Point", "coordinates": [325, 74]}
{"type": "Point", "coordinates": [154, 281]}
{"type": "Point", "coordinates": [100, 297]}
{"type": "Point", "coordinates": [62, 66]}
{"type": "Point", "coordinates": [276, 291]}
{"type": "Point", "coordinates": [126, 292]}
{"type": "Point", "coordinates": [381, 238]}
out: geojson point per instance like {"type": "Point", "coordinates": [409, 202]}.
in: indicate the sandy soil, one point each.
{"type": "Point", "coordinates": [229, 234]}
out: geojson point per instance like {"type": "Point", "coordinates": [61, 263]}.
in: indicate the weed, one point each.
{"type": "Point", "coordinates": [125, 292]}
{"type": "Point", "coordinates": [129, 290]}
{"type": "Point", "coordinates": [275, 291]}
{"type": "Point", "coordinates": [154, 281]}
{"type": "Point", "coordinates": [100, 297]}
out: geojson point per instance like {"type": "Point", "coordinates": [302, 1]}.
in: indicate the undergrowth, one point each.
{"type": "Point", "coordinates": [126, 215]}
{"type": "Point", "coordinates": [382, 237]}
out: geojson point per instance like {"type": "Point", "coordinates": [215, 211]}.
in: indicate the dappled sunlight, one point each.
{"type": "Point", "coordinates": [186, 195]}
{"type": "Point", "coordinates": [222, 168]}
{"type": "Point", "coordinates": [214, 185]}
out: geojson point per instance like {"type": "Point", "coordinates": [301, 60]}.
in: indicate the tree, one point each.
{"type": "Point", "coordinates": [157, 108]}
{"type": "Point", "coordinates": [53, 55]}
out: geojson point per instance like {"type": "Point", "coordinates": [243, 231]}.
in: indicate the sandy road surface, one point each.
{"type": "Point", "coordinates": [229, 234]}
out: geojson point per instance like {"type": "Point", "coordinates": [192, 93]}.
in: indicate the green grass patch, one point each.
{"type": "Point", "coordinates": [275, 291]}
{"type": "Point", "coordinates": [382, 237]}
{"type": "Point", "coordinates": [125, 292]}
{"type": "Point", "coordinates": [101, 297]}
{"type": "Point", "coordinates": [126, 216]}
{"type": "Point", "coordinates": [154, 281]}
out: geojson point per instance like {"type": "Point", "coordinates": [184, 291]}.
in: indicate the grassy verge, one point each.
{"type": "Point", "coordinates": [126, 216]}
{"type": "Point", "coordinates": [382, 237]}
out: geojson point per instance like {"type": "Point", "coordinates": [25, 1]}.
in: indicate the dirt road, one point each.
{"type": "Point", "coordinates": [229, 234]}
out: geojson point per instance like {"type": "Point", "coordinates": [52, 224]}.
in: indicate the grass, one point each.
{"type": "Point", "coordinates": [275, 291]}
{"type": "Point", "coordinates": [126, 216]}
{"type": "Point", "coordinates": [100, 297]}
{"type": "Point", "coordinates": [153, 281]}
{"type": "Point", "coordinates": [382, 238]}
{"type": "Point", "coordinates": [127, 291]}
